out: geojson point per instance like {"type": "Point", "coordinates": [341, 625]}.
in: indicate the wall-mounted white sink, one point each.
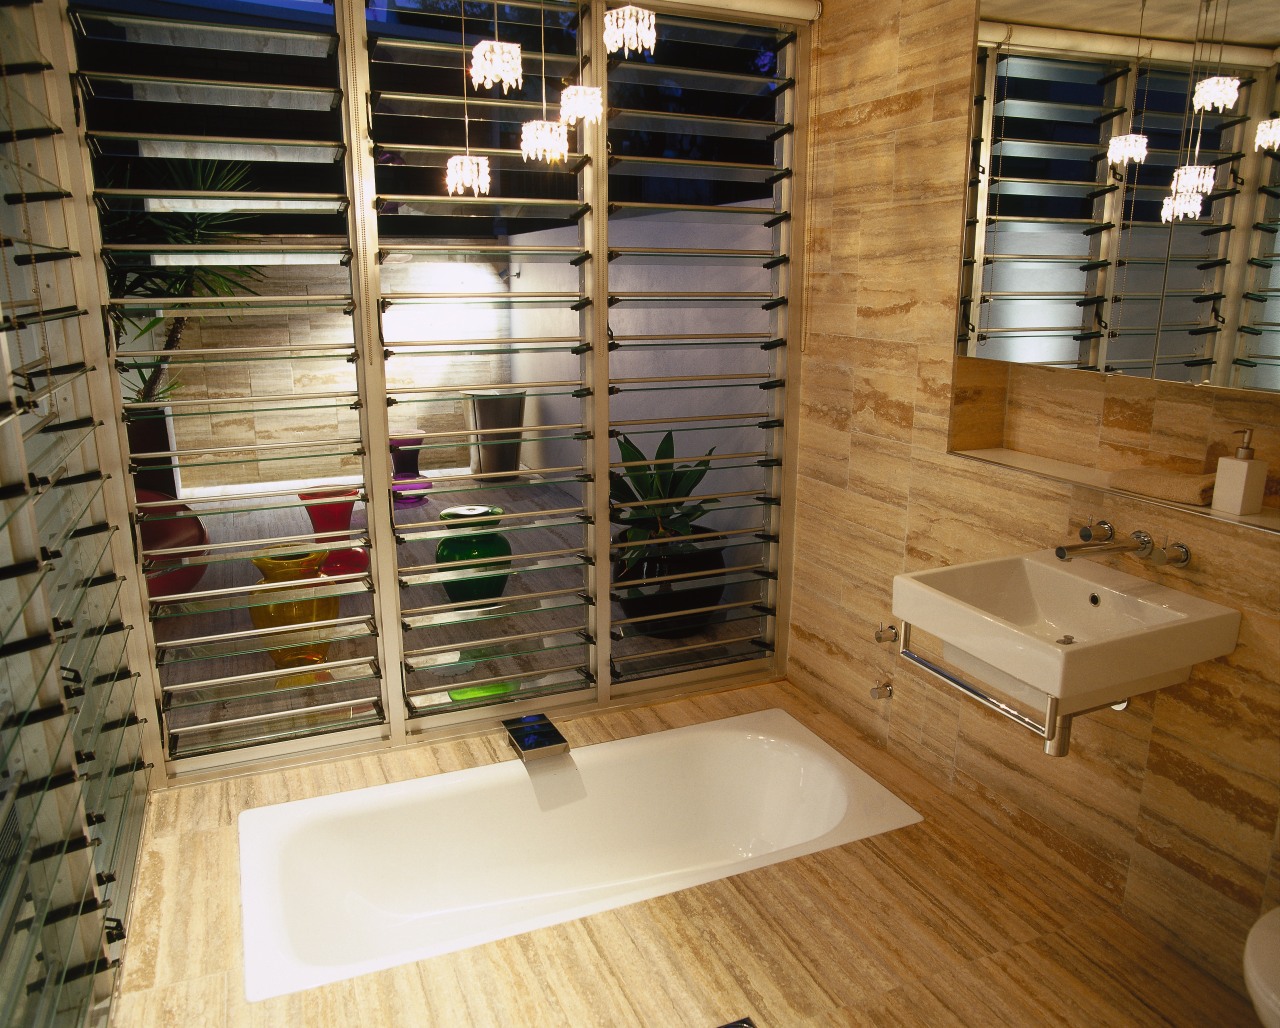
{"type": "Point", "coordinates": [1076, 630]}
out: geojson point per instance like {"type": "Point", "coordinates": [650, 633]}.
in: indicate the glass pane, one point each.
{"type": "Point", "coordinates": [222, 207]}
{"type": "Point", "coordinates": [487, 325]}
{"type": "Point", "coordinates": [697, 391]}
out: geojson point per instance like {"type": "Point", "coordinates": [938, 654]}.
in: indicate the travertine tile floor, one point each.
{"type": "Point", "coordinates": [941, 923]}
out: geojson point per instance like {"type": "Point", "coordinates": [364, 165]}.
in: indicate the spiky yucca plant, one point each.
{"type": "Point", "coordinates": [161, 282]}
{"type": "Point", "coordinates": [651, 499]}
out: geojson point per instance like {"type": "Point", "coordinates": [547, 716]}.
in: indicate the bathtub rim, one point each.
{"type": "Point", "coordinates": [271, 969]}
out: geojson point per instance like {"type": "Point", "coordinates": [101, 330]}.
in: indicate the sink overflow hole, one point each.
{"type": "Point", "coordinates": [1094, 599]}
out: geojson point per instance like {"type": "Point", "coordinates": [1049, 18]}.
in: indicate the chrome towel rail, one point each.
{"type": "Point", "coordinates": [1055, 731]}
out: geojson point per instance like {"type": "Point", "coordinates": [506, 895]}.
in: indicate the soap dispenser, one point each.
{"type": "Point", "coordinates": [1241, 480]}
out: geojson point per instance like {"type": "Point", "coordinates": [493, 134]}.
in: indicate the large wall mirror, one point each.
{"type": "Point", "coordinates": [1119, 319]}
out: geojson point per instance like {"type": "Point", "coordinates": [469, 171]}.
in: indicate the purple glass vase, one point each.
{"type": "Point", "coordinates": [408, 486]}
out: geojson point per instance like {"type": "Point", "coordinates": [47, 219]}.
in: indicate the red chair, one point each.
{"type": "Point", "coordinates": [166, 527]}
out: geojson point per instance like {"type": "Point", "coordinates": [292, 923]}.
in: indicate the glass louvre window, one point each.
{"type": "Point", "coordinates": [1069, 264]}
{"type": "Point", "coordinates": [700, 143]}
{"type": "Point", "coordinates": [221, 200]}
{"type": "Point", "coordinates": [430, 394]}
{"type": "Point", "coordinates": [72, 777]}
{"type": "Point", "coordinates": [486, 325]}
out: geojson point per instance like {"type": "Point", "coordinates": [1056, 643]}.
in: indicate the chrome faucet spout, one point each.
{"type": "Point", "coordinates": [1139, 543]}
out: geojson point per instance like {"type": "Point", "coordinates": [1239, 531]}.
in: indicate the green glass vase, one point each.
{"type": "Point", "coordinates": [468, 548]}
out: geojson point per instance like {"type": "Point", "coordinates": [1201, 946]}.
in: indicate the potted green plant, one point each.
{"type": "Point", "coordinates": [651, 501]}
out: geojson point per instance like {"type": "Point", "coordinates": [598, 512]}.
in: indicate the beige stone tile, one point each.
{"type": "Point", "coordinates": [193, 1003]}
{"type": "Point", "coordinates": [889, 312]}
{"type": "Point", "coordinates": [980, 390]}
{"type": "Point", "coordinates": [857, 170]}
{"type": "Point", "coordinates": [824, 454]}
{"type": "Point", "coordinates": [882, 114]}
{"type": "Point", "coordinates": [963, 510]}
{"type": "Point", "coordinates": [946, 175]}
{"type": "Point", "coordinates": [191, 808]}
{"type": "Point", "coordinates": [1229, 564]}
{"type": "Point", "coordinates": [1128, 407]}
{"type": "Point", "coordinates": [1181, 425]}
{"type": "Point", "coordinates": [1228, 707]}
{"type": "Point", "coordinates": [1271, 891]}
{"type": "Point", "coordinates": [885, 381]}
{"type": "Point", "coordinates": [188, 884]}
{"type": "Point", "coordinates": [826, 400]}
{"type": "Point", "coordinates": [925, 716]}
{"type": "Point", "coordinates": [1190, 917]}
{"type": "Point", "coordinates": [856, 56]}
{"type": "Point", "coordinates": [1054, 413]}
{"type": "Point", "coordinates": [832, 312]}
{"type": "Point", "coordinates": [226, 381]}
{"type": "Point", "coordinates": [878, 483]}
{"type": "Point", "coordinates": [1091, 797]}
{"type": "Point", "coordinates": [906, 244]}
{"type": "Point", "coordinates": [935, 43]}
{"type": "Point", "coordinates": [1211, 819]}
{"type": "Point", "coordinates": [583, 966]}
{"type": "Point", "coordinates": [930, 426]}
{"type": "Point", "coordinates": [323, 377]}
{"type": "Point", "coordinates": [1059, 860]}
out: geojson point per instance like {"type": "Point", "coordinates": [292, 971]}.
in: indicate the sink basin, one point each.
{"type": "Point", "coordinates": [1083, 632]}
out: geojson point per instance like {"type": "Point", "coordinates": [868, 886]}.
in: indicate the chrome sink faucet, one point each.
{"type": "Point", "coordinates": [1099, 538]}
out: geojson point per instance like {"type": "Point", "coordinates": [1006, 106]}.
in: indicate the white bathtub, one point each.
{"type": "Point", "coordinates": [342, 885]}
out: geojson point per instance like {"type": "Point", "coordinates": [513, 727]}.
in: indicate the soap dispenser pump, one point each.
{"type": "Point", "coordinates": [1241, 480]}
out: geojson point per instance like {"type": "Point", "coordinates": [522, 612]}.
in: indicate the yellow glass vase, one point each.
{"type": "Point", "coordinates": [298, 609]}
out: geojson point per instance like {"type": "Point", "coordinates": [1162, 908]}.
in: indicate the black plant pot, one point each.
{"type": "Point", "coordinates": [670, 598]}
{"type": "Point", "coordinates": [150, 433]}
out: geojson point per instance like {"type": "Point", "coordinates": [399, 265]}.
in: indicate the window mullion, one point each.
{"type": "Point", "coordinates": [596, 282]}
{"type": "Point", "coordinates": [1105, 280]}
{"type": "Point", "coordinates": [1244, 210]}
{"type": "Point", "coordinates": [370, 364]}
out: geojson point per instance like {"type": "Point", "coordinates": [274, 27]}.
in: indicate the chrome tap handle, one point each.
{"type": "Point", "coordinates": [889, 634]}
{"type": "Point", "coordinates": [1175, 555]}
{"type": "Point", "coordinates": [1100, 531]}
{"type": "Point", "coordinates": [1146, 545]}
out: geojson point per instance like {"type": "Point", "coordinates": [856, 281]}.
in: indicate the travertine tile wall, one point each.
{"type": "Point", "coordinates": [1113, 422]}
{"type": "Point", "coordinates": [1170, 807]}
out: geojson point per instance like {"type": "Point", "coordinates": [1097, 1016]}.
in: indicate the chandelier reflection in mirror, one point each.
{"type": "Point", "coordinates": [581, 104]}
{"type": "Point", "coordinates": [1131, 147]}
{"type": "Point", "coordinates": [1123, 269]}
{"type": "Point", "coordinates": [494, 62]}
{"type": "Point", "coordinates": [630, 28]}
{"type": "Point", "coordinates": [465, 171]}
{"type": "Point", "coordinates": [1218, 92]}
{"type": "Point", "coordinates": [1215, 92]}
{"type": "Point", "coordinates": [1186, 203]}
{"type": "Point", "coordinates": [544, 140]}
